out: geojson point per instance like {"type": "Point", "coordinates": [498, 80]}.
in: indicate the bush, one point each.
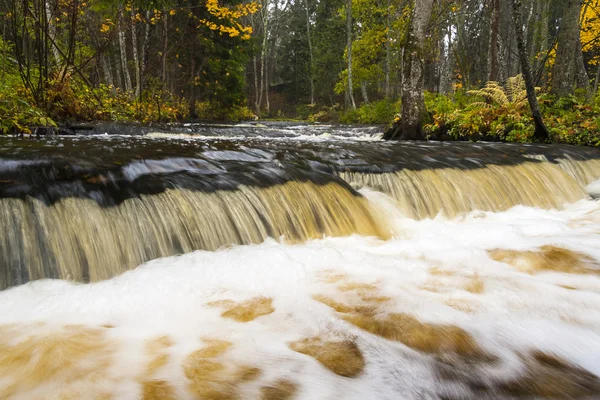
{"type": "Point", "coordinates": [502, 113]}
{"type": "Point", "coordinates": [207, 111]}
{"type": "Point", "coordinates": [70, 100]}
{"type": "Point", "coordinates": [380, 112]}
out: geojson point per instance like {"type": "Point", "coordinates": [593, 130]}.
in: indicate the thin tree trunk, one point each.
{"type": "Point", "coordinates": [267, 86]}
{"type": "Point", "coordinates": [398, 88]}
{"type": "Point", "coordinates": [192, 99]}
{"type": "Point", "coordinates": [388, 52]}
{"type": "Point", "coordinates": [541, 132]}
{"type": "Point", "coordinates": [145, 48]}
{"type": "Point", "coordinates": [349, 48]}
{"type": "Point", "coordinates": [446, 78]}
{"type": "Point", "coordinates": [494, 42]}
{"type": "Point", "coordinates": [123, 52]}
{"type": "Point", "coordinates": [530, 27]}
{"type": "Point", "coordinates": [118, 73]}
{"type": "Point", "coordinates": [257, 88]}
{"type": "Point", "coordinates": [596, 82]}
{"type": "Point", "coordinates": [107, 72]}
{"type": "Point", "coordinates": [52, 32]}
{"type": "Point", "coordinates": [363, 88]}
{"type": "Point", "coordinates": [310, 52]}
{"type": "Point", "coordinates": [4, 50]}
{"type": "Point", "coordinates": [542, 41]}
{"type": "Point", "coordinates": [136, 59]}
{"type": "Point", "coordinates": [263, 53]}
{"type": "Point", "coordinates": [165, 48]}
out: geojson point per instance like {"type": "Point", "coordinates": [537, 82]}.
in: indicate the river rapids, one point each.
{"type": "Point", "coordinates": [297, 262]}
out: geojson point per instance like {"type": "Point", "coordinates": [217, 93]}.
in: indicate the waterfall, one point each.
{"type": "Point", "coordinates": [88, 215]}
{"type": "Point", "coordinates": [76, 239]}
{"type": "Point", "coordinates": [426, 193]}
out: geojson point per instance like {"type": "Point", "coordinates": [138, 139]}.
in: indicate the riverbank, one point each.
{"type": "Point", "coordinates": [481, 115]}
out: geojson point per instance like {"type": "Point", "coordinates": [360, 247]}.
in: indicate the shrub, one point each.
{"type": "Point", "coordinates": [498, 112]}
{"type": "Point", "coordinates": [380, 112]}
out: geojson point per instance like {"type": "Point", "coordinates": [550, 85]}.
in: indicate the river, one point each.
{"type": "Point", "coordinates": [285, 261]}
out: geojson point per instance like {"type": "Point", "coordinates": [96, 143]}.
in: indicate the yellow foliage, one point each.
{"type": "Point", "coordinates": [590, 28]}
{"type": "Point", "coordinates": [234, 27]}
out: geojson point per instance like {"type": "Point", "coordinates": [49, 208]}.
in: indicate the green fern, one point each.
{"type": "Point", "coordinates": [512, 95]}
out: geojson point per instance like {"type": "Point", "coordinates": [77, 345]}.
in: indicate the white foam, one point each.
{"type": "Point", "coordinates": [517, 312]}
{"type": "Point", "coordinates": [139, 168]}
{"type": "Point", "coordinates": [594, 188]}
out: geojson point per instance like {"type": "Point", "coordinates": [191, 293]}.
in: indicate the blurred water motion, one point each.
{"type": "Point", "coordinates": [379, 270]}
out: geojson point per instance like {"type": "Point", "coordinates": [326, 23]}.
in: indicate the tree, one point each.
{"type": "Point", "coordinates": [349, 53]}
{"type": "Point", "coordinates": [541, 132]}
{"type": "Point", "coordinates": [413, 100]}
{"type": "Point", "coordinates": [590, 36]}
{"type": "Point", "coordinates": [569, 70]}
{"type": "Point", "coordinates": [310, 52]}
{"type": "Point", "coordinates": [123, 50]}
{"type": "Point", "coordinates": [495, 28]}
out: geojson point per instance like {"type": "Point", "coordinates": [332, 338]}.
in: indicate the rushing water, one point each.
{"type": "Point", "coordinates": [371, 270]}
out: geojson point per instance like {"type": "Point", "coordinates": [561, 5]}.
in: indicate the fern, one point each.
{"type": "Point", "coordinates": [494, 92]}
{"type": "Point", "coordinates": [513, 94]}
{"type": "Point", "coordinates": [478, 105]}
{"type": "Point", "coordinates": [516, 90]}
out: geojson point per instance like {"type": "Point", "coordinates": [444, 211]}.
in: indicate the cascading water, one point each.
{"type": "Point", "coordinates": [376, 270]}
{"type": "Point", "coordinates": [77, 239]}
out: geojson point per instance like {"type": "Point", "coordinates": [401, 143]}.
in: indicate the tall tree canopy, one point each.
{"type": "Point", "coordinates": [187, 58]}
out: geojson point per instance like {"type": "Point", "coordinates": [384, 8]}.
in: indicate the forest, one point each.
{"type": "Point", "coordinates": [510, 70]}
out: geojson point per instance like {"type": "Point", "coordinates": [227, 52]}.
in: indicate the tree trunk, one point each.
{"type": "Point", "coordinates": [388, 52]}
{"type": "Point", "coordinates": [595, 93]}
{"type": "Point", "coordinates": [494, 42]}
{"type": "Point", "coordinates": [267, 87]}
{"type": "Point", "coordinates": [118, 78]}
{"type": "Point", "coordinates": [569, 71]}
{"type": "Point", "coordinates": [363, 88]}
{"type": "Point", "coordinates": [530, 28]}
{"type": "Point", "coordinates": [107, 72]}
{"type": "Point", "coordinates": [542, 42]}
{"type": "Point", "coordinates": [310, 52]}
{"type": "Point", "coordinates": [4, 51]}
{"type": "Point", "coordinates": [123, 52]}
{"type": "Point", "coordinates": [263, 53]}
{"type": "Point", "coordinates": [52, 32]}
{"type": "Point", "coordinates": [541, 132]}
{"type": "Point", "coordinates": [145, 49]}
{"type": "Point", "coordinates": [400, 85]}
{"type": "Point", "coordinates": [136, 59]}
{"type": "Point", "coordinates": [192, 99]}
{"type": "Point", "coordinates": [257, 88]}
{"type": "Point", "coordinates": [413, 101]}
{"type": "Point", "coordinates": [349, 51]}
{"type": "Point", "coordinates": [447, 73]}
{"type": "Point", "coordinates": [165, 48]}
